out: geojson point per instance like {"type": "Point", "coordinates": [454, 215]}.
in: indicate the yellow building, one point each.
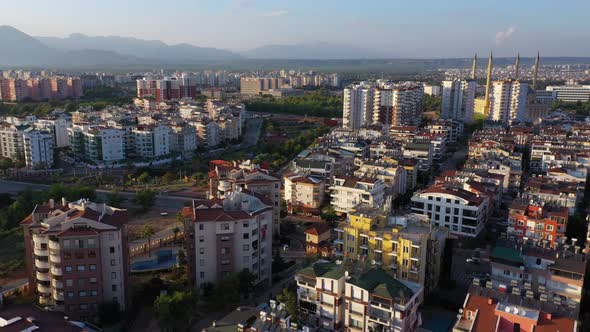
{"type": "Point", "coordinates": [406, 246]}
{"type": "Point", "coordinates": [479, 106]}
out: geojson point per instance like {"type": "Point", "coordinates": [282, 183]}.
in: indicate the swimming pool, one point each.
{"type": "Point", "coordinates": [162, 260]}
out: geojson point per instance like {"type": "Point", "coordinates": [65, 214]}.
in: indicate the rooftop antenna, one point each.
{"type": "Point", "coordinates": [474, 68]}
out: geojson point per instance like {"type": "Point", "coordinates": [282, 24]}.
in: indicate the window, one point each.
{"type": "Point", "coordinates": [246, 247]}
{"type": "Point", "coordinates": [82, 293]}
{"type": "Point", "coordinates": [202, 251]}
{"type": "Point", "coordinates": [71, 295]}
{"type": "Point", "coordinates": [66, 243]}
{"type": "Point", "coordinates": [69, 283]}
{"type": "Point", "coordinates": [246, 236]}
{"type": "Point", "coordinates": [83, 306]}
{"type": "Point", "coordinates": [81, 283]}
{"type": "Point", "coordinates": [114, 287]}
{"type": "Point", "coordinates": [224, 251]}
{"type": "Point", "coordinates": [113, 262]}
{"type": "Point", "coordinates": [225, 238]}
{"type": "Point", "coordinates": [113, 275]}
{"type": "Point", "coordinates": [225, 227]}
{"type": "Point", "coordinates": [91, 253]}
{"type": "Point", "coordinates": [225, 262]}
{"type": "Point", "coordinates": [202, 275]}
{"type": "Point", "coordinates": [201, 227]}
{"type": "Point", "coordinates": [67, 255]}
{"type": "Point", "coordinates": [112, 250]}
{"type": "Point", "coordinates": [538, 261]}
{"type": "Point", "coordinates": [201, 262]}
{"type": "Point", "coordinates": [111, 236]}
{"type": "Point", "coordinates": [91, 243]}
{"type": "Point", "coordinates": [68, 268]}
{"type": "Point", "coordinates": [81, 268]}
{"type": "Point", "coordinates": [92, 267]}
{"type": "Point", "coordinates": [550, 228]}
{"type": "Point", "coordinates": [201, 238]}
{"type": "Point", "coordinates": [246, 259]}
{"type": "Point", "coordinates": [245, 224]}
{"type": "Point", "coordinates": [93, 280]}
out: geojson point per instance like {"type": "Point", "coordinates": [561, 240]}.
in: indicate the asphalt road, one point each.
{"type": "Point", "coordinates": [163, 202]}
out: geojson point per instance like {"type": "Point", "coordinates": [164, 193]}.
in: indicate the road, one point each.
{"type": "Point", "coordinates": [163, 202]}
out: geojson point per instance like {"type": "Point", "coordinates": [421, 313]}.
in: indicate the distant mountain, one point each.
{"type": "Point", "coordinates": [147, 49]}
{"type": "Point", "coordinates": [314, 51]}
{"type": "Point", "coordinates": [20, 49]}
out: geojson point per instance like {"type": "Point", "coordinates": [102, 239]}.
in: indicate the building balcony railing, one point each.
{"type": "Point", "coordinates": [56, 271]}
{"type": "Point", "coordinates": [54, 245]}
{"type": "Point", "coordinates": [58, 296]}
{"type": "Point", "coordinates": [43, 289]}
{"type": "Point", "coordinates": [41, 264]}
{"type": "Point", "coordinates": [41, 252]}
{"type": "Point", "coordinates": [55, 258]}
{"type": "Point", "coordinates": [42, 276]}
{"type": "Point", "coordinates": [57, 284]}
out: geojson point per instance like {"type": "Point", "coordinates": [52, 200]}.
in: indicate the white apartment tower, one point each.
{"type": "Point", "coordinates": [358, 106]}
{"type": "Point", "coordinates": [38, 148]}
{"type": "Point", "coordinates": [458, 98]}
{"type": "Point", "coordinates": [508, 101]}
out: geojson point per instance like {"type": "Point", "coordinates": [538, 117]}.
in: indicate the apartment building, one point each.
{"type": "Point", "coordinates": [508, 102]}
{"type": "Point", "coordinates": [451, 129]}
{"type": "Point", "coordinates": [208, 133]}
{"type": "Point", "coordinates": [439, 143]}
{"type": "Point", "coordinates": [303, 192]}
{"type": "Point", "coordinates": [42, 88]}
{"type": "Point", "coordinates": [226, 177]}
{"type": "Point", "coordinates": [38, 148]}
{"type": "Point", "coordinates": [549, 191]}
{"type": "Point", "coordinates": [570, 93]}
{"type": "Point", "coordinates": [458, 98]}
{"type": "Point", "coordinates": [254, 86]}
{"type": "Point", "coordinates": [229, 235]}
{"type": "Point", "coordinates": [76, 256]}
{"type": "Point", "coordinates": [406, 246]}
{"type": "Point", "coordinates": [97, 144]}
{"type": "Point", "coordinates": [11, 141]}
{"type": "Point", "coordinates": [393, 176]}
{"type": "Point", "coordinates": [461, 211]}
{"type": "Point", "coordinates": [317, 240]}
{"type": "Point", "coordinates": [398, 104]}
{"type": "Point", "coordinates": [348, 193]}
{"type": "Point", "coordinates": [150, 141]}
{"type": "Point", "coordinates": [487, 311]}
{"type": "Point", "coordinates": [58, 127]}
{"type": "Point", "coordinates": [537, 222]}
{"type": "Point", "coordinates": [183, 139]}
{"type": "Point", "coordinates": [423, 153]}
{"type": "Point", "coordinates": [334, 299]}
{"type": "Point", "coordinates": [358, 106]}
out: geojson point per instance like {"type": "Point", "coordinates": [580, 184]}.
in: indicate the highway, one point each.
{"type": "Point", "coordinates": [164, 202]}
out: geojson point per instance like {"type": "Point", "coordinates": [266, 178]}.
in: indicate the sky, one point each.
{"type": "Point", "coordinates": [398, 28]}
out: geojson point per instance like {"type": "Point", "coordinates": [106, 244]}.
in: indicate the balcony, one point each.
{"type": "Point", "coordinates": [58, 296]}
{"type": "Point", "coordinates": [43, 300]}
{"type": "Point", "coordinates": [56, 271]}
{"type": "Point", "coordinates": [55, 258]}
{"type": "Point", "coordinates": [41, 252]}
{"type": "Point", "coordinates": [42, 276]}
{"type": "Point", "coordinates": [41, 264]}
{"type": "Point", "coordinates": [43, 289]}
{"type": "Point", "coordinates": [54, 245]}
{"type": "Point", "coordinates": [57, 284]}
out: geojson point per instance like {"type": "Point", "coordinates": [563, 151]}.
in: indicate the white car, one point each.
{"type": "Point", "coordinates": [473, 260]}
{"type": "Point", "coordinates": [163, 213]}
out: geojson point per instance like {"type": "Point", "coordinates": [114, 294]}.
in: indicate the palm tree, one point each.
{"type": "Point", "coordinates": [147, 232]}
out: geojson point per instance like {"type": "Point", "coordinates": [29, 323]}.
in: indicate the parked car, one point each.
{"type": "Point", "coordinates": [473, 260]}
{"type": "Point", "coordinates": [163, 213]}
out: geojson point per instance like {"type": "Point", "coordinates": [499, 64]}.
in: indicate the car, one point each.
{"type": "Point", "coordinates": [163, 213]}
{"type": "Point", "coordinates": [473, 260]}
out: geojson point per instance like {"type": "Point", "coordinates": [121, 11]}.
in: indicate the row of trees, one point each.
{"type": "Point", "coordinates": [318, 103]}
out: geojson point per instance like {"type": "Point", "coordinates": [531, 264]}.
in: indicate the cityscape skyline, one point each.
{"type": "Point", "coordinates": [261, 23]}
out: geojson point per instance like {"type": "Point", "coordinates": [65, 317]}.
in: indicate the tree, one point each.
{"type": "Point", "coordinates": [143, 178]}
{"type": "Point", "coordinates": [168, 178]}
{"type": "Point", "coordinates": [147, 232]}
{"type": "Point", "coordinates": [175, 230]}
{"type": "Point", "coordinates": [146, 198]}
{"type": "Point", "coordinates": [114, 199]}
{"type": "Point", "coordinates": [289, 298]}
{"type": "Point", "coordinates": [176, 311]}
{"type": "Point", "coordinates": [108, 313]}
{"type": "Point", "coordinates": [246, 280]}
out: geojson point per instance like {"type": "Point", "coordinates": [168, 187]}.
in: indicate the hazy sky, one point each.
{"type": "Point", "coordinates": [407, 28]}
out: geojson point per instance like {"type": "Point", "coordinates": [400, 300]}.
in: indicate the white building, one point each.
{"type": "Point", "coordinates": [350, 192]}
{"type": "Point", "coordinates": [58, 127]}
{"type": "Point", "coordinates": [228, 236]}
{"type": "Point", "coordinates": [97, 144]}
{"type": "Point", "coordinates": [358, 106]}
{"type": "Point", "coordinates": [183, 139]}
{"type": "Point", "coordinates": [461, 211]}
{"type": "Point", "coordinates": [11, 141]}
{"type": "Point", "coordinates": [303, 191]}
{"type": "Point", "coordinates": [398, 104]}
{"type": "Point", "coordinates": [571, 93]}
{"type": "Point", "coordinates": [458, 98]}
{"type": "Point", "coordinates": [432, 90]}
{"type": "Point", "coordinates": [508, 101]}
{"type": "Point", "coordinates": [151, 141]}
{"type": "Point", "coordinates": [38, 147]}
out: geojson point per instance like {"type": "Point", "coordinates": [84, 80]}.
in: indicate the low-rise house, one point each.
{"type": "Point", "coordinates": [350, 192]}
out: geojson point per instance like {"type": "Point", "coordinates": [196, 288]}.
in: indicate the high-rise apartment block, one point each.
{"type": "Point", "coordinates": [76, 256]}
{"type": "Point", "coordinates": [458, 98]}
{"type": "Point", "coordinates": [508, 101]}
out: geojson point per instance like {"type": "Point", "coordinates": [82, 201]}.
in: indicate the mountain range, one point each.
{"type": "Point", "coordinates": [79, 50]}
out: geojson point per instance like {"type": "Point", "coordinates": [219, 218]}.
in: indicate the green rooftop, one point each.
{"type": "Point", "coordinates": [382, 284]}
{"type": "Point", "coordinates": [508, 254]}
{"type": "Point", "coordinates": [323, 270]}
{"type": "Point", "coordinates": [418, 146]}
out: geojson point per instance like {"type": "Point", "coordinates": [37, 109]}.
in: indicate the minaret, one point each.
{"type": "Point", "coordinates": [516, 65]}
{"type": "Point", "coordinates": [535, 72]}
{"type": "Point", "coordinates": [488, 85]}
{"type": "Point", "coordinates": [474, 68]}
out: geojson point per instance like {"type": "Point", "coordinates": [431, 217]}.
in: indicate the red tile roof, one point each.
{"type": "Point", "coordinates": [318, 228]}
